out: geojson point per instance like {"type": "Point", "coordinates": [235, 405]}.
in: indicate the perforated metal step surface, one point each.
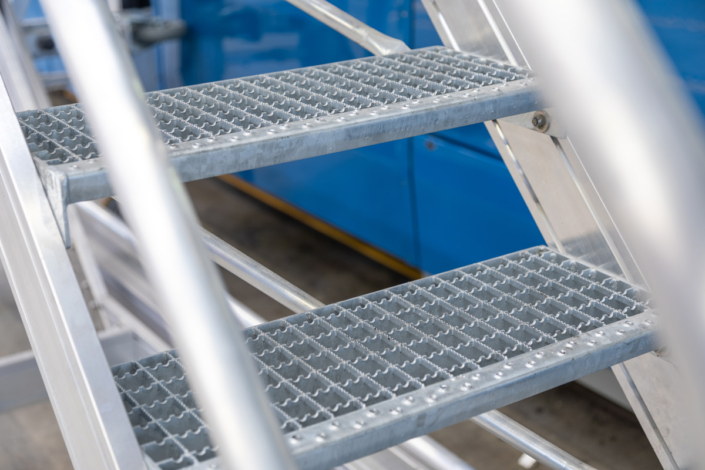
{"type": "Point", "coordinates": [233, 125]}
{"type": "Point", "coordinates": [368, 373]}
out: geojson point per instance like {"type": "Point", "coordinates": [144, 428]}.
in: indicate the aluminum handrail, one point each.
{"type": "Point", "coordinates": [350, 27]}
{"type": "Point", "coordinates": [21, 79]}
{"type": "Point", "coordinates": [641, 140]}
{"type": "Point", "coordinates": [157, 207]}
{"type": "Point", "coordinates": [528, 442]}
{"type": "Point", "coordinates": [258, 276]}
{"type": "Point", "coordinates": [226, 256]}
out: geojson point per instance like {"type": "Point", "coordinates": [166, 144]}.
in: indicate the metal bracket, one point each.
{"type": "Point", "coordinates": [543, 121]}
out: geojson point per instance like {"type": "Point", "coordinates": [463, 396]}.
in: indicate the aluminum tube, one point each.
{"type": "Point", "coordinates": [642, 141]}
{"type": "Point", "coordinates": [109, 221]}
{"type": "Point", "coordinates": [226, 256]}
{"type": "Point", "coordinates": [88, 409]}
{"type": "Point", "coordinates": [350, 27]}
{"type": "Point", "coordinates": [258, 276]}
{"type": "Point", "coordinates": [528, 442]}
{"type": "Point", "coordinates": [159, 212]}
{"type": "Point", "coordinates": [433, 454]}
{"type": "Point", "coordinates": [15, 76]}
{"type": "Point", "coordinates": [111, 226]}
{"type": "Point", "coordinates": [244, 315]}
{"type": "Point", "coordinates": [31, 78]}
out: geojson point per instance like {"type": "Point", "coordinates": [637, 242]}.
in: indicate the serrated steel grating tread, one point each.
{"type": "Point", "coordinates": [355, 377]}
{"type": "Point", "coordinates": [233, 125]}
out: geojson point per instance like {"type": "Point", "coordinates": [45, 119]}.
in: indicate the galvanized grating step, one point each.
{"type": "Point", "coordinates": [362, 375]}
{"type": "Point", "coordinates": [234, 125]}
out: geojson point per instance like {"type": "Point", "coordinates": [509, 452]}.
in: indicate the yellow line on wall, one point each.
{"type": "Point", "coordinates": [385, 259]}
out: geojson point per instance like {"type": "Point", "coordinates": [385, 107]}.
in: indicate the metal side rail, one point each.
{"type": "Point", "coordinates": [225, 127]}
{"type": "Point", "coordinates": [368, 373]}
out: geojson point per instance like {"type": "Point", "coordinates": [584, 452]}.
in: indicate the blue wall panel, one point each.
{"type": "Point", "coordinates": [680, 26]}
{"type": "Point", "coordinates": [468, 206]}
{"type": "Point", "coordinates": [365, 192]}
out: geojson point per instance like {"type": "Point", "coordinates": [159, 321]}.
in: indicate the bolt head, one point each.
{"type": "Point", "coordinates": [540, 121]}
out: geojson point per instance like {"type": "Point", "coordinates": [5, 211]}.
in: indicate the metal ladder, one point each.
{"type": "Point", "coordinates": [341, 381]}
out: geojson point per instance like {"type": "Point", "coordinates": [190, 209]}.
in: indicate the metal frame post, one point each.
{"type": "Point", "coordinates": [20, 77]}
{"type": "Point", "coordinates": [88, 408]}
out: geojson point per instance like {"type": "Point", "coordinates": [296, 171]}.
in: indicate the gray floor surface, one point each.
{"type": "Point", "coordinates": [584, 424]}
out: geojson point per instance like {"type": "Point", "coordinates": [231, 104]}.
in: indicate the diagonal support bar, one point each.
{"type": "Point", "coordinates": [350, 27]}
{"type": "Point", "coordinates": [73, 367]}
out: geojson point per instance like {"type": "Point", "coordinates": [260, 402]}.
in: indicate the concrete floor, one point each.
{"type": "Point", "coordinates": [584, 424]}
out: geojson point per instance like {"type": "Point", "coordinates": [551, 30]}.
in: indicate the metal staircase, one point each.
{"type": "Point", "coordinates": [362, 375]}
{"type": "Point", "coordinates": [234, 125]}
{"type": "Point", "coordinates": [335, 383]}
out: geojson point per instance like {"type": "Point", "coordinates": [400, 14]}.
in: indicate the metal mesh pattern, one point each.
{"type": "Point", "coordinates": [203, 112]}
{"type": "Point", "coordinates": [358, 353]}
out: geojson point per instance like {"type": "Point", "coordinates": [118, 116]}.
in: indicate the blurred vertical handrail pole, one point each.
{"type": "Point", "coordinates": [641, 139]}
{"type": "Point", "coordinates": [158, 210]}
